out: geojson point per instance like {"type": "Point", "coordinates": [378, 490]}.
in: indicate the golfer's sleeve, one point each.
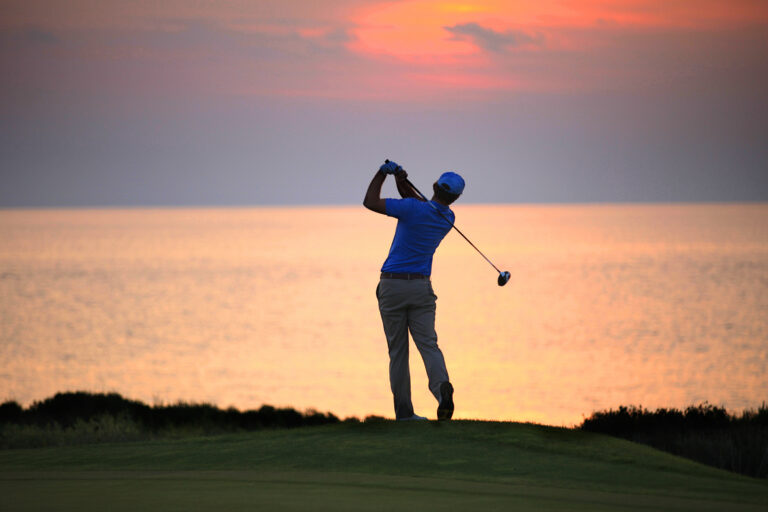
{"type": "Point", "coordinates": [397, 208]}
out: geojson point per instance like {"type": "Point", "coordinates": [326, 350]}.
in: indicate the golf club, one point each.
{"type": "Point", "coordinates": [503, 275]}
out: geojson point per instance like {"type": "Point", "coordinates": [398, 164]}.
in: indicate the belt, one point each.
{"type": "Point", "coordinates": [390, 275]}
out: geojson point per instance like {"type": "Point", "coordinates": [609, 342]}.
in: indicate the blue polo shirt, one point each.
{"type": "Point", "coordinates": [420, 229]}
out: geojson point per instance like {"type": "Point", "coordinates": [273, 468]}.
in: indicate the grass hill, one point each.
{"type": "Point", "coordinates": [378, 465]}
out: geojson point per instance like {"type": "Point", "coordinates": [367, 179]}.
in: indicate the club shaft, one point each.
{"type": "Point", "coordinates": [452, 224]}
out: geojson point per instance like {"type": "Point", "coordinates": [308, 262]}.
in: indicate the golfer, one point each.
{"type": "Point", "coordinates": [406, 299]}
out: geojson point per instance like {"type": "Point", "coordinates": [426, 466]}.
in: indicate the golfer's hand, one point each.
{"type": "Point", "coordinates": [390, 167]}
{"type": "Point", "coordinates": [400, 174]}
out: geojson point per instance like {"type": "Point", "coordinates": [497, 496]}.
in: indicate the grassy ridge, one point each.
{"type": "Point", "coordinates": [704, 433]}
{"type": "Point", "coordinates": [462, 465]}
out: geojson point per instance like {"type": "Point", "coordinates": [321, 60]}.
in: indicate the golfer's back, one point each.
{"type": "Point", "coordinates": [421, 227]}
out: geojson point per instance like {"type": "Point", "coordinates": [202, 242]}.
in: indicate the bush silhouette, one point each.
{"type": "Point", "coordinates": [55, 420]}
{"type": "Point", "coordinates": [705, 433]}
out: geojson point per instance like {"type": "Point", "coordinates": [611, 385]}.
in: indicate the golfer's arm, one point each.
{"type": "Point", "coordinates": [373, 200]}
{"type": "Point", "coordinates": [404, 188]}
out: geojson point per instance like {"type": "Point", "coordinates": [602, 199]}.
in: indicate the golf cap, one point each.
{"type": "Point", "coordinates": [451, 182]}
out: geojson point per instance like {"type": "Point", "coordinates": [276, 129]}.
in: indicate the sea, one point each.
{"type": "Point", "coordinates": [652, 305]}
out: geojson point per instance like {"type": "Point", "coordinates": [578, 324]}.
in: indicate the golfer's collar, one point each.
{"type": "Point", "coordinates": [444, 207]}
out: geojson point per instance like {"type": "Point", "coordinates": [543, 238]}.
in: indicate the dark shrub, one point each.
{"type": "Point", "coordinates": [705, 433]}
{"type": "Point", "coordinates": [59, 419]}
{"type": "Point", "coordinates": [10, 412]}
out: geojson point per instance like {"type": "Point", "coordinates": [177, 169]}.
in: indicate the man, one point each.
{"type": "Point", "coordinates": [406, 299]}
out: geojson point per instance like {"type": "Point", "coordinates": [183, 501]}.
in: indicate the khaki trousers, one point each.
{"type": "Point", "coordinates": [409, 305]}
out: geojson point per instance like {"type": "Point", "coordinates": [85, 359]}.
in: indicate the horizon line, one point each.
{"type": "Point", "coordinates": [216, 206]}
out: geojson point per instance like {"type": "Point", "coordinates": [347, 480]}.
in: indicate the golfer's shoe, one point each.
{"type": "Point", "coordinates": [445, 409]}
{"type": "Point", "coordinates": [415, 417]}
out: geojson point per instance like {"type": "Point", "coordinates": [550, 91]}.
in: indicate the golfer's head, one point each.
{"type": "Point", "coordinates": [448, 187]}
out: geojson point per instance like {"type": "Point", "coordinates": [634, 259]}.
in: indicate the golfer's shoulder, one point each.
{"type": "Point", "coordinates": [447, 212]}
{"type": "Point", "coordinates": [408, 203]}
{"type": "Point", "coordinates": [400, 207]}
{"type": "Point", "coordinates": [421, 207]}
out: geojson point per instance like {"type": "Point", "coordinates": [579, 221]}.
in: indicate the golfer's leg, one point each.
{"type": "Point", "coordinates": [395, 320]}
{"type": "Point", "coordinates": [421, 320]}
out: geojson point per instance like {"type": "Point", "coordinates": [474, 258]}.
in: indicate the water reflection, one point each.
{"type": "Point", "coordinates": [661, 305]}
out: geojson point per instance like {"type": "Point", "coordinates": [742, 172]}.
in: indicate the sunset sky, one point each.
{"type": "Point", "coordinates": [234, 102]}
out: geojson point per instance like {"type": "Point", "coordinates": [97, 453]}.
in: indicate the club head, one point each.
{"type": "Point", "coordinates": [503, 278]}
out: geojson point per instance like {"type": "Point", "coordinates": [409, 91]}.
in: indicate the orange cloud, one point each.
{"type": "Point", "coordinates": [408, 30]}
{"type": "Point", "coordinates": [416, 29]}
{"type": "Point", "coordinates": [402, 49]}
{"type": "Point", "coordinates": [502, 44]}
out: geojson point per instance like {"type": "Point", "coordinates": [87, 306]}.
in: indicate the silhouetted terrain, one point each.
{"type": "Point", "coordinates": [81, 417]}
{"type": "Point", "coordinates": [704, 433]}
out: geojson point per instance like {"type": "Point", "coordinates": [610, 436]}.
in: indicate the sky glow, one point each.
{"type": "Point", "coordinates": [98, 90]}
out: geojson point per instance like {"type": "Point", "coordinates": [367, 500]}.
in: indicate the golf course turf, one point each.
{"type": "Point", "coordinates": [458, 465]}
